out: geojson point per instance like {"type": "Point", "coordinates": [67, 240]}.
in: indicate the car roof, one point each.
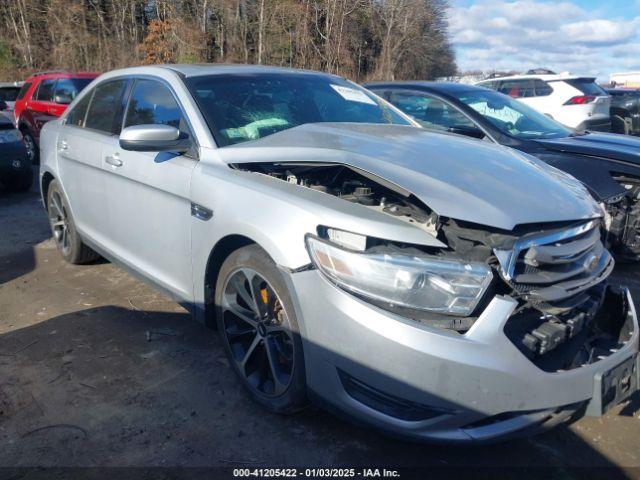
{"type": "Point", "coordinates": [196, 70]}
{"type": "Point", "coordinates": [443, 87]}
{"type": "Point", "coordinates": [545, 77]}
{"type": "Point", "coordinates": [60, 74]}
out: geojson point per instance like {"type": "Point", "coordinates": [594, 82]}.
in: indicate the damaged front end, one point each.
{"type": "Point", "coordinates": [566, 316]}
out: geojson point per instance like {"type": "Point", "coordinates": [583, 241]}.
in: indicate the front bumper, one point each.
{"type": "Point", "coordinates": [474, 387]}
{"type": "Point", "coordinates": [13, 159]}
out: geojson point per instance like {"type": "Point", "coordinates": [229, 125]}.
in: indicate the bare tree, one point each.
{"type": "Point", "coordinates": [359, 39]}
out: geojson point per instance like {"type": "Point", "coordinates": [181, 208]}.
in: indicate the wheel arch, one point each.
{"type": "Point", "coordinates": [45, 181]}
{"type": "Point", "coordinates": [219, 253]}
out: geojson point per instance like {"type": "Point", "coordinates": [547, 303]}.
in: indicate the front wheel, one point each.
{"type": "Point", "coordinates": [63, 228]}
{"type": "Point", "coordinates": [256, 319]}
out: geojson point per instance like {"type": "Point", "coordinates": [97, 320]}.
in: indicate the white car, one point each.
{"type": "Point", "coordinates": [9, 92]}
{"type": "Point", "coordinates": [577, 102]}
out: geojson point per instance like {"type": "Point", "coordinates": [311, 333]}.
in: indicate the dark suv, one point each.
{"type": "Point", "coordinates": [43, 97]}
{"type": "Point", "coordinates": [625, 110]}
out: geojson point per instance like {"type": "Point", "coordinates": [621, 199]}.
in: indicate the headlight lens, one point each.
{"type": "Point", "coordinates": [422, 283]}
{"type": "Point", "coordinates": [7, 136]}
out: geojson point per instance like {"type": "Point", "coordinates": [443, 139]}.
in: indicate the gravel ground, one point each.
{"type": "Point", "coordinates": [81, 384]}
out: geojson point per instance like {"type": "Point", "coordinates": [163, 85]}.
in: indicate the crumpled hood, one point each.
{"type": "Point", "coordinates": [624, 148]}
{"type": "Point", "coordinates": [458, 178]}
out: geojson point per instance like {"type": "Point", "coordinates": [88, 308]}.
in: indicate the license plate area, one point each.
{"type": "Point", "coordinates": [614, 386]}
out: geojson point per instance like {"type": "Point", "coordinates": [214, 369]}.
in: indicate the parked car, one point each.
{"type": "Point", "coordinates": [9, 92]}
{"type": "Point", "coordinates": [607, 164]}
{"type": "Point", "coordinates": [15, 167]}
{"type": "Point", "coordinates": [576, 102]}
{"type": "Point", "coordinates": [625, 110]}
{"type": "Point", "coordinates": [43, 97]}
{"type": "Point", "coordinates": [432, 286]}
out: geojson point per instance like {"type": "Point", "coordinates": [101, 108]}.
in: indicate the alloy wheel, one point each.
{"type": "Point", "coordinates": [30, 146]}
{"type": "Point", "coordinates": [59, 222]}
{"type": "Point", "coordinates": [258, 332]}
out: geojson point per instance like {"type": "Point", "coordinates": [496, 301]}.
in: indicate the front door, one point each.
{"type": "Point", "coordinates": [148, 194]}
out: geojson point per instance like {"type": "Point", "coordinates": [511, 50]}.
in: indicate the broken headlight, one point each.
{"type": "Point", "coordinates": [419, 282]}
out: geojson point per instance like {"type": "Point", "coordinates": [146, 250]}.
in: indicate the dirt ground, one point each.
{"type": "Point", "coordinates": [97, 369]}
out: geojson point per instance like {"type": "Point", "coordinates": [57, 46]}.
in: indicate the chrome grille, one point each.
{"type": "Point", "coordinates": [551, 269]}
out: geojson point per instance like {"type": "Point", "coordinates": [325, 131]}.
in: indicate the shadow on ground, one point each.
{"type": "Point", "coordinates": [23, 225]}
{"type": "Point", "coordinates": [114, 386]}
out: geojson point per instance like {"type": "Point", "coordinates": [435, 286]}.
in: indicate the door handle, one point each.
{"type": "Point", "coordinates": [113, 160]}
{"type": "Point", "coordinates": [63, 145]}
{"type": "Point", "coordinates": [51, 111]}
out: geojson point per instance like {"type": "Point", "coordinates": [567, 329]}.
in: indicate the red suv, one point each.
{"type": "Point", "coordinates": [43, 97]}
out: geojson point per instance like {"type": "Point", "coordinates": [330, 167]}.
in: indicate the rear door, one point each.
{"type": "Point", "coordinates": [92, 122]}
{"type": "Point", "coordinates": [41, 108]}
{"type": "Point", "coordinates": [149, 206]}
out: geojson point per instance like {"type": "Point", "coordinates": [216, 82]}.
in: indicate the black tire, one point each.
{"type": "Point", "coordinates": [63, 228]}
{"type": "Point", "coordinates": [270, 347]}
{"type": "Point", "coordinates": [33, 152]}
{"type": "Point", "coordinates": [19, 183]}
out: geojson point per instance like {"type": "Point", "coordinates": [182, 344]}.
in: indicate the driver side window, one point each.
{"type": "Point", "coordinates": [152, 102]}
{"type": "Point", "coordinates": [430, 112]}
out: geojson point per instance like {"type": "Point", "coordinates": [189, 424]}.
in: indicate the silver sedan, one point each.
{"type": "Point", "coordinates": [435, 287]}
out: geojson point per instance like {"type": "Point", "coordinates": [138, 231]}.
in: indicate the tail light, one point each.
{"type": "Point", "coordinates": [580, 100]}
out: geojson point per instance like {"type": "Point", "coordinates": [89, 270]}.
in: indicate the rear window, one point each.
{"type": "Point", "coordinates": [23, 91]}
{"type": "Point", "coordinates": [542, 89]}
{"type": "Point", "coordinates": [517, 88]}
{"type": "Point", "coordinates": [105, 108]}
{"type": "Point", "coordinates": [587, 86]}
{"type": "Point", "coordinates": [45, 91]}
{"type": "Point", "coordinates": [79, 111]}
{"type": "Point", "coordinates": [70, 87]}
{"type": "Point", "coordinates": [9, 94]}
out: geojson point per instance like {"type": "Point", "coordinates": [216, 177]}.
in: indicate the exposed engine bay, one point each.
{"type": "Point", "coordinates": [555, 270]}
{"type": "Point", "coordinates": [624, 220]}
{"type": "Point", "coordinates": [355, 186]}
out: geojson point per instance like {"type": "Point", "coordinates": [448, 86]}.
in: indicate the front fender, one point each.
{"type": "Point", "coordinates": [594, 173]}
{"type": "Point", "coordinates": [277, 215]}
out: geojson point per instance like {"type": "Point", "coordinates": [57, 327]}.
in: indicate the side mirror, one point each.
{"type": "Point", "coordinates": [3, 105]}
{"type": "Point", "coordinates": [154, 138]}
{"type": "Point", "coordinates": [466, 130]}
{"type": "Point", "coordinates": [62, 98]}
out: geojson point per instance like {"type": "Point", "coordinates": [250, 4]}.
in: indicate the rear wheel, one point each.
{"type": "Point", "coordinates": [32, 149]}
{"type": "Point", "coordinates": [63, 228]}
{"type": "Point", "coordinates": [256, 319]}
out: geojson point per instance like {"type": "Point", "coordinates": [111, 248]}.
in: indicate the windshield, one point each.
{"type": "Point", "coordinates": [513, 117]}
{"type": "Point", "coordinates": [248, 106]}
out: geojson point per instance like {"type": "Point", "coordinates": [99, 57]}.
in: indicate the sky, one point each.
{"type": "Point", "coordinates": [585, 37]}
